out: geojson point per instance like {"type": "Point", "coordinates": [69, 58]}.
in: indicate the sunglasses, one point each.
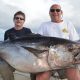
{"type": "Point", "coordinates": [53, 10]}
{"type": "Point", "coordinates": [18, 18]}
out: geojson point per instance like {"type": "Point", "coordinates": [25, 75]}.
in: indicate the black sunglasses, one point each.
{"type": "Point", "coordinates": [17, 18]}
{"type": "Point", "coordinates": [53, 10]}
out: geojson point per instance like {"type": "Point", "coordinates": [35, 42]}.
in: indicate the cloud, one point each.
{"type": "Point", "coordinates": [6, 14]}
{"type": "Point", "coordinates": [36, 11]}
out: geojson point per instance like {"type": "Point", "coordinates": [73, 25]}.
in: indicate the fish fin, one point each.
{"type": "Point", "coordinates": [36, 52]}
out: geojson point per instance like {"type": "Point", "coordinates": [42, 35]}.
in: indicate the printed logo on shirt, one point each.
{"type": "Point", "coordinates": [64, 30]}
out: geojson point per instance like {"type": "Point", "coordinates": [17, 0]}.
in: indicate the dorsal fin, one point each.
{"type": "Point", "coordinates": [36, 52]}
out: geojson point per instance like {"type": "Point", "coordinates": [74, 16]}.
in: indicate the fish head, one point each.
{"type": "Point", "coordinates": [59, 56]}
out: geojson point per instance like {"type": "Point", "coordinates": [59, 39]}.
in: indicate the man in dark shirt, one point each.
{"type": "Point", "coordinates": [17, 31]}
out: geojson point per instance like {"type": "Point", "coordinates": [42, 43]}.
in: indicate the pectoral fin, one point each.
{"type": "Point", "coordinates": [36, 52]}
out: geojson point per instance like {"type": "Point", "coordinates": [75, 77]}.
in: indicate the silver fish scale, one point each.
{"type": "Point", "coordinates": [57, 56]}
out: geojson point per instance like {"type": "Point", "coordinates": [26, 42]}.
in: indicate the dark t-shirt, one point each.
{"type": "Point", "coordinates": [16, 33]}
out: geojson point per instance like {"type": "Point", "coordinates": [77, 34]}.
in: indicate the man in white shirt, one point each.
{"type": "Point", "coordinates": [58, 27]}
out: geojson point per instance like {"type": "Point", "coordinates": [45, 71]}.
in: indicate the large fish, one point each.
{"type": "Point", "coordinates": [36, 53]}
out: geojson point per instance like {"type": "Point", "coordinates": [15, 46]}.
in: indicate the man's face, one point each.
{"type": "Point", "coordinates": [19, 21]}
{"type": "Point", "coordinates": [55, 12]}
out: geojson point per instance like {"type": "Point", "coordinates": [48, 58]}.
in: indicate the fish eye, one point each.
{"type": "Point", "coordinates": [70, 47]}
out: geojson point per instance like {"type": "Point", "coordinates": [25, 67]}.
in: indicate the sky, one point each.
{"type": "Point", "coordinates": [37, 11]}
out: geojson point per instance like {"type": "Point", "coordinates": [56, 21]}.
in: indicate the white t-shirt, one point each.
{"type": "Point", "coordinates": [63, 30]}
